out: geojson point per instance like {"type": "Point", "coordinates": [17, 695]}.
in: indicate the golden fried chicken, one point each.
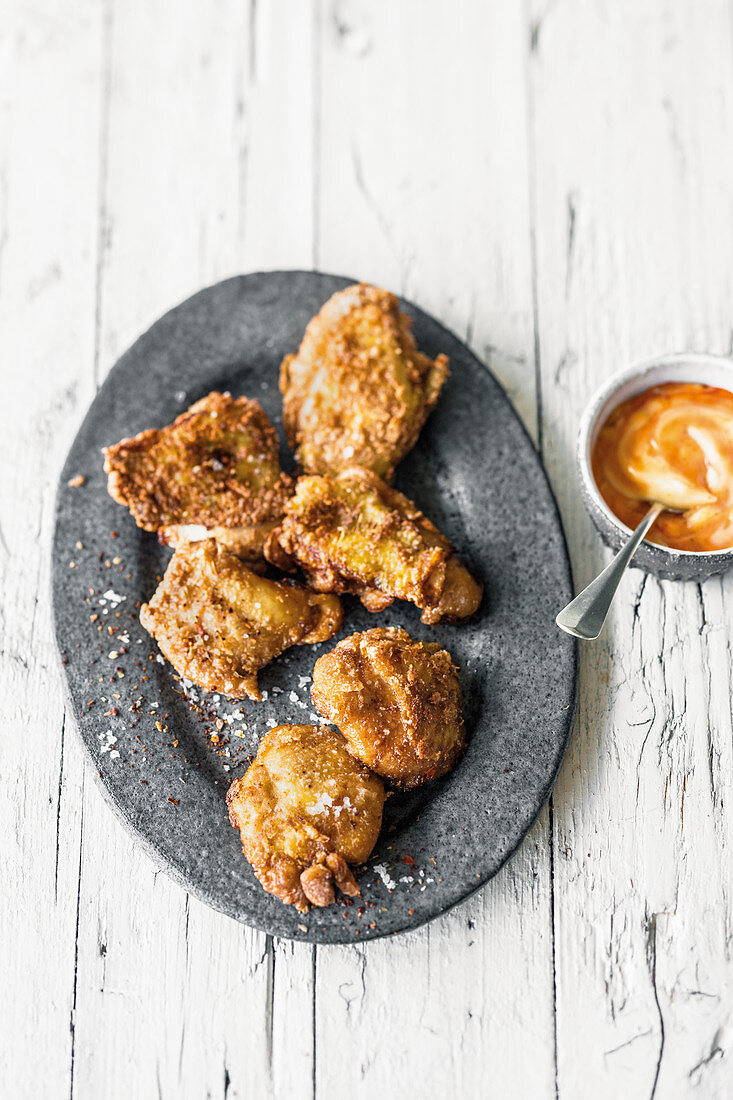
{"type": "Point", "coordinates": [305, 811]}
{"type": "Point", "coordinates": [397, 702]}
{"type": "Point", "coordinates": [353, 533]}
{"type": "Point", "coordinates": [214, 471]}
{"type": "Point", "coordinates": [217, 622]}
{"type": "Point", "coordinates": [358, 391]}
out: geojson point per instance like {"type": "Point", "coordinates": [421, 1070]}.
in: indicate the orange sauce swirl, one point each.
{"type": "Point", "coordinates": [672, 443]}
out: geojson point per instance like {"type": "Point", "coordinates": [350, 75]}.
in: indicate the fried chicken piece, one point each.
{"type": "Point", "coordinates": [214, 472]}
{"type": "Point", "coordinates": [217, 622]}
{"type": "Point", "coordinates": [358, 391]}
{"type": "Point", "coordinates": [397, 702]}
{"type": "Point", "coordinates": [353, 533]}
{"type": "Point", "coordinates": [306, 809]}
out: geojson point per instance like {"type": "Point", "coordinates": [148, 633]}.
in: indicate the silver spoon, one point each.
{"type": "Point", "coordinates": [585, 615]}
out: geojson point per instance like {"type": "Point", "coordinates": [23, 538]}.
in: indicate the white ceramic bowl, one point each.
{"type": "Point", "coordinates": [713, 370]}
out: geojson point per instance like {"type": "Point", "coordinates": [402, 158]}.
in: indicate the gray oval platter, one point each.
{"type": "Point", "coordinates": [166, 753]}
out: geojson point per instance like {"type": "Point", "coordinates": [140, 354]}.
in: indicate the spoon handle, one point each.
{"type": "Point", "coordinates": [585, 615]}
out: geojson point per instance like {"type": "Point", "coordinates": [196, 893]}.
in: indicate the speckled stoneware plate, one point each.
{"type": "Point", "coordinates": [166, 753]}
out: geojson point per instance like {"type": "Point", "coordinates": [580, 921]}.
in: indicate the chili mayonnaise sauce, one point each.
{"type": "Point", "coordinates": [673, 443]}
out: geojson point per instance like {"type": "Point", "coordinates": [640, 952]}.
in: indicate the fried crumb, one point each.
{"type": "Point", "coordinates": [358, 391]}
{"type": "Point", "coordinates": [353, 533]}
{"type": "Point", "coordinates": [397, 702]}
{"type": "Point", "coordinates": [306, 810]}
{"type": "Point", "coordinates": [218, 623]}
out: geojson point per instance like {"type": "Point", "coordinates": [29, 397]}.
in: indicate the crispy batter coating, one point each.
{"type": "Point", "coordinates": [217, 622]}
{"type": "Point", "coordinates": [306, 810]}
{"type": "Point", "coordinates": [353, 533]}
{"type": "Point", "coordinates": [358, 391]}
{"type": "Point", "coordinates": [246, 542]}
{"type": "Point", "coordinates": [216, 466]}
{"type": "Point", "coordinates": [397, 702]}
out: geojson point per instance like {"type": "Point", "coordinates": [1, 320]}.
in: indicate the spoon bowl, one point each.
{"type": "Point", "coordinates": [585, 616]}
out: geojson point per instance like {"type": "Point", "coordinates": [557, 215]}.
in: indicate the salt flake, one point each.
{"type": "Point", "coordinates": [386, 878]}
{"type": "Point", "coordinates": [322, 804]}
{"type": "Point", "coordinates": [113, 597]}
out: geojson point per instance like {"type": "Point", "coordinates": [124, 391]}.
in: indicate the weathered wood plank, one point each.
{"type": "Point", "coordinates": [423, 169]}
{"type": "Point", "coordinates": [424, 190]}
{"type": "Point", "coordinates": [632, 168]}
{"type": "Point", "coordinates": [189, 197]}
{"type": "Point", "coordinates": [183, 143]}
{"type": "Point", "coordinates": [47, 270]}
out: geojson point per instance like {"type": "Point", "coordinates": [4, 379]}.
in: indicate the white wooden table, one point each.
{"type": "Point", "coordinates": [553, 180]}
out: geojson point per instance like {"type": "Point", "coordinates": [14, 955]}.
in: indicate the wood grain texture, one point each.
{"type": "Point", "coordinates": [177, 195]}
{"type": "Point", "coordinates": [414, 196]}
{"type": "Point", "coordinates": [553, 180]}
{"type": "Point", "coordinates": [631, 171]}
{"type": "Point", "coordinates": [47, 278]}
